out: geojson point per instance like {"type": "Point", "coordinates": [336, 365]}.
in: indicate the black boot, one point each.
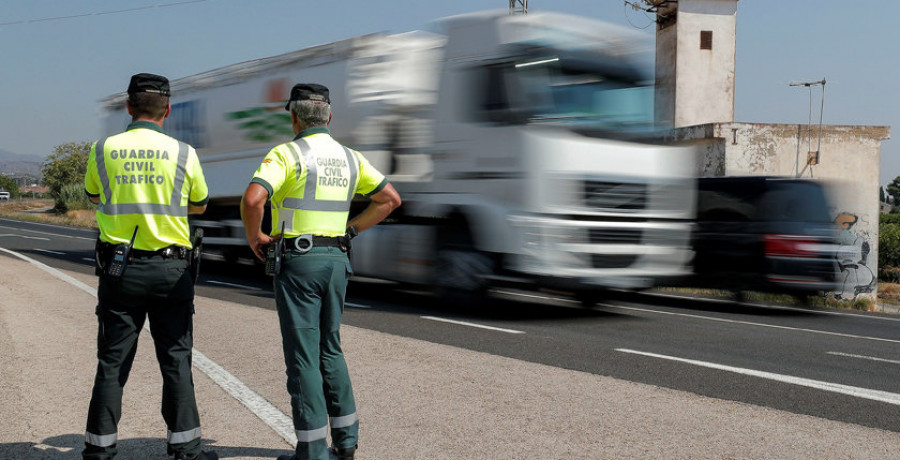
{"type": "Point", "coordinates": [346, 453]}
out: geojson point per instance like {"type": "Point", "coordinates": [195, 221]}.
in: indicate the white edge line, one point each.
{"type": "Point", "coordinates": [463, 323]}
{"type": "Point", "coordinates": [355, 305]}
{"type": "Point", "coordinates": [875, 395]}
{"type": "Point", "coordinates": [54, 272]}
{"type": "Point", "coordinates": [49, 251]}
{"type": "Point", "coordinates": [870, 358]}
{"type": "Point", "coordinates": [271, 415]}
{"type": "Point", "coordinates": [254, 288]}
{"type": "Point", "coordinates": [775, 307]}
{"type": "Point", "coordinates": [751, 323]}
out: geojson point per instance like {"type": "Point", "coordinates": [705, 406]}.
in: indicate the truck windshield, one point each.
{"type": "Point", "coordinates": [593, 92]}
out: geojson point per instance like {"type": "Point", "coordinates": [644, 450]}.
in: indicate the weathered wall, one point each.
{"type": "Point", "coordinates": [704, 78]}
{"type": "Point", "coordinates": [849, 160]}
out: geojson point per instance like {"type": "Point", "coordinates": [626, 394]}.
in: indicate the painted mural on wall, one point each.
{"type": "Point", "coordinates": [856, 276]}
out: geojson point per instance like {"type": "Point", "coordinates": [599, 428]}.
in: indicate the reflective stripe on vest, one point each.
{"type": "Point", "coordinates": [173, 208]}
{"type": "Point", "coordinates": [309, 201]}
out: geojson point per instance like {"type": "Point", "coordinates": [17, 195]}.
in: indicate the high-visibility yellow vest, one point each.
{"type": "Point", "coordinates": [311, 182]}
{"type": "Point", "coordinates": [145, 179]}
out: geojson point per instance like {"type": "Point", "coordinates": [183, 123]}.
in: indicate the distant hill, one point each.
{"type": "Point", "coordinates": [17, 164]}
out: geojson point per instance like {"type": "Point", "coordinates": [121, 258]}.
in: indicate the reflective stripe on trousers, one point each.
{"type": "Point", "coordinates": [100, 440]}
{"type": "Point", "coordinates": [182, 437]}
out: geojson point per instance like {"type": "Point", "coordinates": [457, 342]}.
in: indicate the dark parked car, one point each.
{"type": "Point", "coordinates": [764, 234]}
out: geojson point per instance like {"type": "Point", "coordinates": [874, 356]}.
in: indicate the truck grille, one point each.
{"type": "Point", "coordinates": [615, 195]}
{"type": "Point", "coordinates": [614, 236]}
{"type": "Point", "coordinates": [612, 261]}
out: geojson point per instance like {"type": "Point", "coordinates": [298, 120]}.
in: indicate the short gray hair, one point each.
{"type": "Point", "coordinates": [312, 113]}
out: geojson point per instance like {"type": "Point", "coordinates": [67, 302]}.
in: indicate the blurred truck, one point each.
{"type": "Point", "coordinates": [524, 148]}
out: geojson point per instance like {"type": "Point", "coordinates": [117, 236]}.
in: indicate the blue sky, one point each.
{"type": "Point", "coordinates": [56, 70]}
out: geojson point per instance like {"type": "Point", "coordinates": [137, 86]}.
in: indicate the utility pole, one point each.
{"type": "Point", "coordinates": [518, 7]}
{"type": "Point", "coordinates": [812, 156]}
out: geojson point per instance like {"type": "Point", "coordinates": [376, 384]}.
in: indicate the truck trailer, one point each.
{"type": "Point", "coordinates": [523, 146]}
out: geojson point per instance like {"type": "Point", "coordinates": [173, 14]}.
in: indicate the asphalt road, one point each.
{"type": "Point", "coordinates": [840, 366]}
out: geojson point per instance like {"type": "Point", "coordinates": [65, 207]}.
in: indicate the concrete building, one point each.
{"type": "Point", "coordinates": [695, 57]}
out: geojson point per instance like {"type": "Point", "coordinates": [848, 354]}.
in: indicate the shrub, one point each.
{"type": "Point", "coordinates": [72, 197]}
{"type": "Point", "coordinates": [889, 248]}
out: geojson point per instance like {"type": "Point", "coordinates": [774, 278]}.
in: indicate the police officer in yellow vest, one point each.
{"type": "Point", "coordinates": [146, 184]}
{"type": "Point", "coordinates": [310, 183]}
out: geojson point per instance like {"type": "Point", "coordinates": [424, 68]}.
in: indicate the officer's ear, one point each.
{"type": "Point", "coordinates": [168, 111]}
{"type": "Point", "coordinates": [128, 107]}
{"type": "Point", "coordinates": [329, 119]}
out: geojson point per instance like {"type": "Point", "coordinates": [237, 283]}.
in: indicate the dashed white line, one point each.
{"type": "Point", "coordinates": [356, 305]}
{"type": "Point", "coordinates": [870, 358]}
{"type": "Point", "coordinates": [49, 251]}
{"type": "Point", "coordinates": [19, 229]}
{"type": "Point", "coordinates": [25, 236]}
{"type": "Point", "coordinates": [252, 288]}
{"type": "Point", "coordinates": [875, 395]}
{"type": "Point", "coordinates": [480, 326]}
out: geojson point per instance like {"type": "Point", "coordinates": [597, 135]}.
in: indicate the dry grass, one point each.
{"type": "Point", "coordinates": [41, 211]}
{"type": "Point", "coordinates": [889, 293]}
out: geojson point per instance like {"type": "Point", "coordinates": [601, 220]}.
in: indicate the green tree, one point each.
{"type": "Point", "coordinates": [881, 196]}
{"type": "Point", "coordinates": [7, 184]}
{"type": "Point", "coordinates": [65, 166]}
{"type": "Point", "coordinates": [893, 190]}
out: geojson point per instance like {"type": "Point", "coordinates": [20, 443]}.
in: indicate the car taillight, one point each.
{"type": "Point", "coordinates": [790, 246]}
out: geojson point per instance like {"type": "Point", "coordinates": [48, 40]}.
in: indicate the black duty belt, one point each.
{"type": "Point", "coordinates": [168, 252]}
{"type": "Point", "coordinates": [304, 243]}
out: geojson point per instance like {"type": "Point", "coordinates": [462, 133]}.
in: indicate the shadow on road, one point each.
{"type": "Point", "coordinates": [69, 446]}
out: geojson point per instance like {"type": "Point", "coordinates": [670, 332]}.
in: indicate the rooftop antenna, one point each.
{"type": "Point", "coordinates": [518, 7]}
{"type": "Point", "coordinates": [812, 157]}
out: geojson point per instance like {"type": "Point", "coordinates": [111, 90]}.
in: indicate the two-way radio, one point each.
{"type": "Point", "coordinates": [274, 255]}
{"type": "Point", "coordinates": [119, 259]}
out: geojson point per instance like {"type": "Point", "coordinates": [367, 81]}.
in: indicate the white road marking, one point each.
{"type": "Point", "coordinates": [875, 395]}
{"type": "Point", "coordinates": [54, 272]}
{"type": "Point", "coordinates": [24, 236]}
{"type": "Point", "coordinates": [263, 409]}
{"type": "Point", "coordinates": [49, 251]}
{"type": "Point", "coordinates": [18, 229]}
{"type": "Point", "coordinates": [88, 259]}
{"type": "Point", "coordinates": [355, 305]}
{"type": "Point", "coordinates": [750, 323]}
{"type": "Point", "coordinates": [870, 358]}
{"type": "Point", "coordinates": [463, 323]}
{"type": "Point", "coordinates": [277, 420]}
{"type": "Point", "coordinates": [777, 307]}
{"type": "Point", "coordinates": [253, 288]}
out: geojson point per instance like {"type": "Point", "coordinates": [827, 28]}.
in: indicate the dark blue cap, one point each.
{"type": "Point", "coordinates": [308, 91]}
{"type": "Point", "coordinates": [148, 83]}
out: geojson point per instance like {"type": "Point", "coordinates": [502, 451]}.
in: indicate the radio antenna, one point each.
{"type": "Point", "coordinates": [812, 157]}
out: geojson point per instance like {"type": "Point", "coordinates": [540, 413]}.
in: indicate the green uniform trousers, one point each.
{"type": "Point", "coordinates": [161, 290]}
{"type": "Point", "coordinates": [309, 295]}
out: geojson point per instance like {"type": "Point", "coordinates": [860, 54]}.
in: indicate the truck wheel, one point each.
{"type": "Point", "coordinates": [461, 276]}
{"type": "Point", "coordinates": [589, 299]}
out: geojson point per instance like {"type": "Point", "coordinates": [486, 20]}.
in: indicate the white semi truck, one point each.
{"type": "Point", "coordinates": [523, 147]}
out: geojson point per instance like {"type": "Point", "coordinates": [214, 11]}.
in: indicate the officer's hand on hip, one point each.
{"type": "Point", "coordinates": [258, 245]}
